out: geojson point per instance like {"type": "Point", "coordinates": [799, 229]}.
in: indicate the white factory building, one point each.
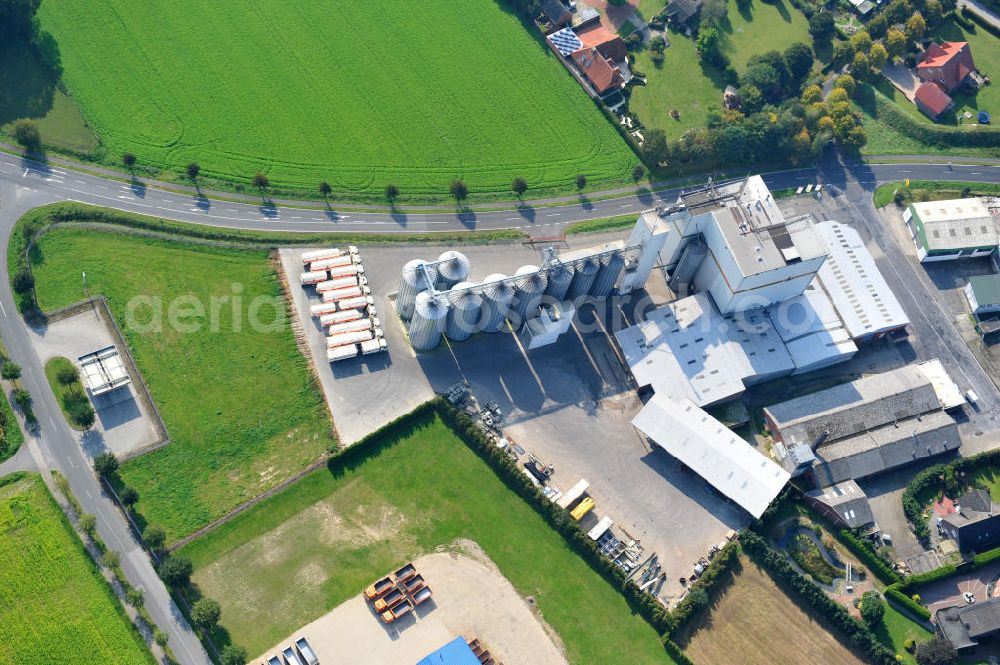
{"type": "Point", "coordinates": [772, 297]}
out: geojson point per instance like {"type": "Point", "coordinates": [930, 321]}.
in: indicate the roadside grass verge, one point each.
{"type": "Point", "coordinates": [595, 225]}
{"type": "Point", "coordinates": [932, 190]}
{"type": "Point", "coordinates": [12, 437]}
{"type": "Point", "coordinates": [64, 379]}
{"type": "Point", "coordinates": [416, 488]}
{"type": "Point", "coordinates": [238, 399]}
{"type": "Point", "coordinates": [56, 607]}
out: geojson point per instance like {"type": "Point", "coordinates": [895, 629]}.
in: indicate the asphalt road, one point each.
{"type": "Point", "coordinates": [26, 184]}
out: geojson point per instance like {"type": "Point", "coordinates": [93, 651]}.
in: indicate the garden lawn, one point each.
{"type": "Point", "coordinates": [755, 623]}
{"type": "Point", "coordinates": [54, 605]}
{"type": "Point", "coordinates": [239, 404]}
{"type": "Point", "coordinates": [896, 628]}
{"type": "Point", "coordinates": [760, 28]}
{"type": "Point", "coordinates": [416, 489]}
{"type": "Point", "coordinates": [359, 93]}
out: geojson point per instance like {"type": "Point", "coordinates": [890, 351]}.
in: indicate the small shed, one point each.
{"type": "Point", "coordinates": [983, 294]}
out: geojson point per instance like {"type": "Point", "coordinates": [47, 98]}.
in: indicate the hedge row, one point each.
{"type": "Point", "coordinates": [934, 135]}
{"type": "Point", "coordinates": [863, 551]}
{"type": "Point", "coordinates": [990, 556]}
{"type": "Point", "coordinates": [893, 593]}
{"type": "Point", "coordinates": [980, 21]}
{"type": "Point", "coordinates": [711, 582]}
{"type": "Point", "coordinates": [675, 652]}
{"type": "Point", "coordinates": [856, 632]}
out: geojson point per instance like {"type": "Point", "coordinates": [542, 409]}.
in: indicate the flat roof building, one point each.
{"type": "Point", "coordinates": [952, 229]}
{"type": "Point", "coordinates": [103, 371]}
{"type": "Point", "coordinates": [811, 330]}
{"type": "Point", "coordinates": [710, 449]}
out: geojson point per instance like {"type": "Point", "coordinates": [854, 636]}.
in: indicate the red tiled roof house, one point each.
{"type": "Point", "coordinates": [946, 64]}
{"type": "Point", "coordinates": [603, 75]}
{"type": "Point", "coordinates": [932, 100]}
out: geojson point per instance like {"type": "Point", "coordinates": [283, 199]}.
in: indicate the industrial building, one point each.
{"type": "Point", "coordinates": [953, 229]}
{"type": "Point", "coordinates": [865, 427]}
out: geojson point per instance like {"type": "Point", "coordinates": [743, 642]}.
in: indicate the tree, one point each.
{"type": "Point", "coordinates": [714, 13]}
{"type": "Point", "coordinates": [895, 42]}
{"type": "Point", "coordinates": [709, 46]}
{"type": "Point", "coordinates": [87, 523]}
{"type": "Point", "coordinates": [128, 159]}
{"type": "Point", "coordinates": [936, 651]}
{"type": "Point", "coordinates": [751, 99]}
{"type": "Point", "coordinates": [861, 67]}
{"type": "Point", "coordinates": [27, 135]}
{"type": "Point", "coordinates": [872, 608]}
{"type": "Point", "coordinates": [655, 148]}
{"type": "Point", "coordinates": [160, 638]}
{"type": "Point", "coordinates": [325, 189]}
{"type": "Point", "coordinates": [261, 181]}
{"type": "Point", "coordinates": [67, 375]}
{"type": "Point", "coordinates": [763, 77]}
{"type": "Point", "coordinates": [135, 597]}
{"type": "Point", "coordinates": [799, 59]}
{"type": "Point", "coordinates": [855, 139]}
{"type": "Point", "coordinates": [821, 25]}
{"type": "Point", "coordinates": [519, 187]}
{"type": "Point", "coordinates": [17, 17]}
{"type": "Point", "coordinates": [861, 41]}
{"type": "Point", "coordinates": [581, 181]}
{"type": "Point", "coordinates": [916, 26]}
{"type": "Point", "coordinates": [111, 559]}
{"type": "Point", "coordinates": [155, 537]}
{"type": "Point", "coordinates": [459, 190]}
{"type": "Point", "coordinates": [23, 399]}
{"type": "Point", "coordinates": [23, 281]}
{"type": "Point", "coordinates": [878, 56]}
{"type": "Point", "coordinates": [106, 464]}
{"type": "Point", "coordinates": [193, 171]}
{"type": "Point", "coordinates": [933, 12]}
{"type": "Point", "coordinates": [842, 54]}
{"type": "Point", "coordinates": [391, 192]}
{"type": "Point", "coordinates": [234, 655]}
{"type": "Point", "coordinates": [846, 83]}
{"type": "Point", "coordinates": [82, 414]}
{"type": "Point", "coordinates": [176, 571]}
{"type": "Point", "coordinates": [206, 613]}
{"type": "Point", "coordinates": [129, 496]}
{"type": "Point", "coordinates": [811, 95]}
{"type": "Point", "coordinates": [638, 172]}
{"type": "Point", "coordinates": [10, 371]}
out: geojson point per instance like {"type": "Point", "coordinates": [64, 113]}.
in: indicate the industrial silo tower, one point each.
{"type": "Point", "coordinates": [498, 290]}
{"type": "Point", "coordinates": [452, 267]}
{"type": "Point", "coordinates": [586, 271]}
{"type": "Point", "coordinates": [529, 286]}
{"type": "Point", "coordinates": [611, 269]}
{"type": "Point", "coordinates": [417, 276]}
{"type": "Point", "coordinates": [560, 275]}
{"type": "Point", "coordinates": [466, 307]}
{"type": "Point", "coordinates": [430, 316]}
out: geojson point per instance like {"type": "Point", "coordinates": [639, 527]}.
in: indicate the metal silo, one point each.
{"type": "Point", "coordinates": [430, 316]}
{"type": "Point", "coordinates": [496, 300]}
{"type": "Point", "coordinates": [529, 287]}
{"type": "Point", "coordinates": [466, 306]}
{"type": "Point", "coordinates": [560, 276]}
{"type": "Point", "coordinates": [453, 267]}
{"type": "Point", "coordinates": [412, 282]}
{"type": "Point", "coordinates": [610, 271]}
{"type": "Point", "coordinates": [586, 271]}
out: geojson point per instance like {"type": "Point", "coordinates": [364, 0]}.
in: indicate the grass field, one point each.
{"type": "Point", "coordinates": [54, 605]}
{"type": "Point", "coordinates": [755, 623]}
{"type": "Point", "coordinates": [28, 89]}
{"type": "Point", "coordinates": [240, 408]}
{"type": "Point", "coordinates": [302, 552]}
{"type": "Point", "coordinates": [934, 190]}
{"type": "Point", "coordinates": [760, 28]}
{"type": "Point", "coordinates": [359, 93]}
{"type": "Point", "coordinates": [896, 628]}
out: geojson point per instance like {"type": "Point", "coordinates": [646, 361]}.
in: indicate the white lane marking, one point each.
{"type": "Point", "coordinates": [512, 219]}
{"type": "Point", "coordinates": [2, 310]}
{"type": "Point", "coordinates": [554, 214]}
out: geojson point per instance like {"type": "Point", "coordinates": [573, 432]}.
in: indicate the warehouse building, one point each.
{"type": "Point", "coordinates": [952, 229]}
{"type": "Point", "coordinates": [863, 428]}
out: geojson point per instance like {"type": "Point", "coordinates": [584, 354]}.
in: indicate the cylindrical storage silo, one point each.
{"type": "Point", "coordinates": [466, 305]}
{"type": "Point", "coordinates": [430, 316]}
{"type": "Point", "coordinates": [453, 267]}
{"type": "Point", "coordinates": [559, 275]}
{"type": "Point", "coordinates": [529, 286]}
{"type": "Point", "coordinates": [497, 292]}
{"type": "Point", "coordinates": [607, 275]}
{"type": "Point", "coordinates": [412, 282]}
{"type": "Point", "coordinates": [586, 271]}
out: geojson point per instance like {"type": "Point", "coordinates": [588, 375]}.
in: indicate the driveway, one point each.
{"type": "Point", "coordinates": [903, 78]}
{"type": "Point", "coordinates": [949, 592]}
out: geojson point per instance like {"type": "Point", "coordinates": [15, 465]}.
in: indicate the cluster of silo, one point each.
{"type": "Point", "coordinates": [560, 275]}
{"type": "Point", "coordinates": [417, 276]}
{"type": "Point", "coordinates": [529, 287]}
{"type": "Point", "coordinates": [466, 306]}
{"type": "Point", "coordinates": [611, 269]}
{"type": "Point", "coordinates": [586, 270]}
{"type": "Point", "coordinates": [430, 318]}
{"type": "Point", "coordinates": [452, 267]}
{"type": "Point", "coordinates": [497, 293]}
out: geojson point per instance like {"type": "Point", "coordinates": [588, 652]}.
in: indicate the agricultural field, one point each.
{"type": "Point", "coordinates": [683, 83]}
{"type": "Point", "coordinates": [755, 623]}
{"type": "Point", "coordinates": [238, 400]}
{"type": "Point", "coordinates": [360, 93]}
{"type": "Point", "coordinates": [54, 605]}
{"type": "Point", "coordinates": [299, 554]}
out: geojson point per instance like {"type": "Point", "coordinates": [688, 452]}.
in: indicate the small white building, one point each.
{"type": "Point", "coordinates": [952, 229]}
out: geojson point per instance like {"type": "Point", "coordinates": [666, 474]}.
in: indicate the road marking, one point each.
{"type": "Point", "coordinates": [627, 205]}
{"type": "Point", "coordinates": [555, 214]}
{"type": "Point", "coordinates": [2, 310]}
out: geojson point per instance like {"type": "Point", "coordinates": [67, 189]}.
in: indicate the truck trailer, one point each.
{"type": "Point", "coordinates": [342, 352]}
{"type": "Point", "coordinates": [573, 494]}
{"type": "Point", "coordinates": [373, 346]}
{"type": "Point", "coordinates": [322, 308]}
{"type": "Point", "coordinates": [306, 651]}
{"type": "Point", "coordinates": [338, 283]}
{"type": "Point", "coordinates": [350, 326]}
{"type": "Point", "coordinates": [320, 254]}
{"type": "Point", "coordinates": [291, 658]}
{"type": "Point", "coordinates": [342, 316]}
{"type": "Point", "coordinates": [335, 262]}
{"type": "Point", "coordinates": [389, 600]}
{"type": "Point", "coordinates": [333, 295]}
{"type": "Point", "coordinates": [582, 509]}
{"type": "Point", "coordinates": [341, 339]}
{"type": "Point", "coordinates": [312, 277]}
{"type": "Point", "coordinates": [361, 302]}
{"type": "Point", "coordinates": [347, 271]}
{"type": "Point", "coordinates": [396, 612]}
{"type": "Point", "coordinates": [379, 588]}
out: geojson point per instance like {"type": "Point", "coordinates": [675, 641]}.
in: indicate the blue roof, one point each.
{"type": "Point", "coordinates": [456, 652]}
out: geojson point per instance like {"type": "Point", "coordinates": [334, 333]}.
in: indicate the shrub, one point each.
{"type": "Point", "coordinates": [160, 638]}
{"type": "Point", "coordinates": [106, 464]}
{"type": "Point", "coordinates": [155, 537]}
{"type": "Point", "coordinates": [23, 281]}
{"type": "Point", "coordinates": [872, 608]}
{"type": "Point", "coordinates": [10, 371]}
{"type": "Point", "coordinates": [206, 613]}
{"type": "Point", "coordinates": [176, 571]}
{"type": "Point", "coordinates": [27, 135]}
{"type": "Point", "coordinates": [936, 651]}
{"type": "Point", "coordinates": [233, 655]}
{"type": "Point", "coordinates": [459, 190]}
{"type": "Point", "coordinates": [87, 524]}
{"type": "Point", "coordinates": [111, 559]}
{"type": "Point", "coordinates": [911, 604]}
{"type": "Point", "coordinates": [23, 399]}
{"type": "Point", "coordinates": [135, 597]}
{"type": "Point", "coordinates": [128, 496]}
{"type": "Point", "coordinates": [67, 375]}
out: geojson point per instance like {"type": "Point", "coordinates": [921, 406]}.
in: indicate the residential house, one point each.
{"type": "Point", "coordinates": [966, 626]}
{"type": "Point", "coordinates": [844, 504]}
{"type": "Point", "coordinates": [556, 13]}
{"type": "Point", "coordinates": [603, 74]}
{"type": "Point", "coordinates": [607, 43]}
{"type": "Point", "coordinates": [975, 524]}
{"type": "Point", "coordinates": [683, 11]}
{"type": "Point", "coordinates": [932, 100]}
{"type": "Point", "coordinates": [943, 68]}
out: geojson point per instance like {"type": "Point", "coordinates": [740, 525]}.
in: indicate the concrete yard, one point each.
{"type": "Point", "coordinates": [124, 425]}
{"type": "Point", "coordinates": [471, 598]}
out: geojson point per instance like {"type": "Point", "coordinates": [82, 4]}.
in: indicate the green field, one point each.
{"type": "Point", "coordinates": [760, 28]}
{"type": "Point", "coordinates": [357, 93]}
{"type": "Point", "coordinates": [54, 605]}
{"type": "Point", "coordinates": [239, 404]}
{"type": "Point", "coordinates": [340, 528]}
